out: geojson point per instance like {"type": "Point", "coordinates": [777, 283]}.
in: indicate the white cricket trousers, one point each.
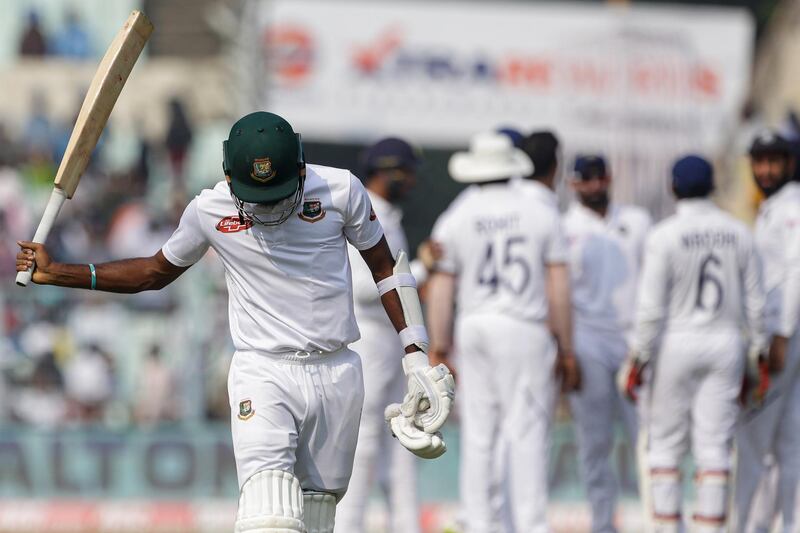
{"type": "Point", "coordinates": [594, 409]}
{"type": "Point", "coordinates": [380, 458]}
{"type": "Point", "coordinates": [296, 413]}
{"type": "Point", "coordinates": [771, 435]}
{"type": "Point", "coordinates": [695, 389]}
{"type": "Point", "coordinates": [506, 397]}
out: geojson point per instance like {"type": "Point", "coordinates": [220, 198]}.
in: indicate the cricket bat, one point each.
{"type": "Point", "coordinates": [106, 85]}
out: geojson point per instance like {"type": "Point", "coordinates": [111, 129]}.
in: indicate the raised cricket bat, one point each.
{"type": "Point", "coordinates": [106, 85]}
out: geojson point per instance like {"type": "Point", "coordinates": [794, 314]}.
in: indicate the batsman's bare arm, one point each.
{"type": "Point", "coordinates": [124, 276]}
{"type": "Point", "coordinates": [380, 262]}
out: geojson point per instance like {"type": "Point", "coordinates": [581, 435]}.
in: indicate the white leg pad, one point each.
{"type": "Point", "coordinates": [319, 511]}
{"type": "Point", "coordinates": [665, 487]}
{"type": "Point", "coordinates": [271, 501]}
{"type": "Point", "coordinates": [711, 508]}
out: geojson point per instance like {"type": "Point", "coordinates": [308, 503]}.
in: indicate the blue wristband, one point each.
{"type": "Point", "coordinates": [94, 276]}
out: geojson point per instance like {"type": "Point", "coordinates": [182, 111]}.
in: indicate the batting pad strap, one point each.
{"type": "Point", "coordinates": [319, 511]}
{"type": "Point", "coordinates": [270, 501]}
{"type": "Point", "coordinates": [414, 334]}
{"type": "Point", "coordinates": [398, 279]}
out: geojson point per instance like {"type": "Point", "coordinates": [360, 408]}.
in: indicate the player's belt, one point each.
{"type": "Point", "coordinates": [297, 356]}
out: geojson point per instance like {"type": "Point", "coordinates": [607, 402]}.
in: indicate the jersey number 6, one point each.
{"type": "Point", "coordinates": [503, 274]}
{"type": "Point", "coordinates": [708, 279]}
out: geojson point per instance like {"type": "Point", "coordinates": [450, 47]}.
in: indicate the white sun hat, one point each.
{"type": "Point", "coordinates": [491, 156]}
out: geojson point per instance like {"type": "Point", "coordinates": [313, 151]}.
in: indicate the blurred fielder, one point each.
{"type": "Point", "coordinates": [501, 249]}
{"type": "Point", "coordinates": [771, 434]}
{"type": "Point", "coordinates": [606, 241]}
{"type": "Point", "coordinates": [281, 230]}
{"type": "Point", "coordinates": [700, 288]}
{"type": "Point", "coordinates": [390, 166]}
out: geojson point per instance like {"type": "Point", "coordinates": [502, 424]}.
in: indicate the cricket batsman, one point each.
{"type": "Point", "coordinates": [281, 228]}
{"type": "Point", "coordinates": [698, 324]}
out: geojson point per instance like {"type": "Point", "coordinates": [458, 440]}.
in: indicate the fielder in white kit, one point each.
{"type": "Point", "coordinates": [390, 172]}
{"type": "Point", "coordinates": [606, 243]}
{"type": "Point", "coordinates": [499, 247]}
{"type": "Point", "coordinates": [769, 434]}
{"type": "Point", "coordinates": [281, 229]}
{"type": "Point", "coordinates": [699, 312]}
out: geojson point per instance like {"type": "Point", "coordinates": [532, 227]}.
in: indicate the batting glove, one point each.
{"type": "Point", "coordinates": [755, 383]}
{"type": "Point", "coordinates": [631, 376]}
{"type": "Point", "coordinates": [416, 422]}
{"type": "Point", "coordinates": [418, 442]}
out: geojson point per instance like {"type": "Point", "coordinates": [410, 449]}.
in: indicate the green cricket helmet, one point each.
{"type": "Point", "coordinates": [264, 158]}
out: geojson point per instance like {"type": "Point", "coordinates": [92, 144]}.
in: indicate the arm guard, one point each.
{"type": "Point", "coordinates": [406, 286]}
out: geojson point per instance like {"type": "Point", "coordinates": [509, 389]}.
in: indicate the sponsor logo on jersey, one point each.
{"type": "Point", "coordinates": [246, 410]}
{"type": "Point", "coordinates": [262, 170]}
{"type": "Point", "coordinates": [372, 215]}
{"type": "Point", "coordinates": [233, 224]}
{"type": "Point", "coordinates": [312, 210]}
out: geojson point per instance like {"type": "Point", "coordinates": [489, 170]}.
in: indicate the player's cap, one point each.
{"type": "Point", "coordinates": [588, 167]}
{"type": "Point", "coordinates": [263, 156]}
{"type": "Point", "coordinates": [514, 134]}
{"type": "Point", "coordinates": [770, 142]}
{"type": "Point", "coordinates": [692, 177]}
{"type": "Point", "coordinates": [542, 149]}
{"type": "Point", "coordinates": [390, 153]}
{"type": "Point", "coordinates": [491, 156]}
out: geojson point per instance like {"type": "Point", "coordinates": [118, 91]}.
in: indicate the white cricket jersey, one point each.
{"type": "Point", "coordinates": [605, 260]}
{"type": "Point", "coordinates": [778, 240]}
{"type": "Point", "coordinates": [365, 293]}
{"type": "Point", "coordinates": [289, 285]}
{"type": "Point", "coordinates": [497, 240]}
{"type": "Point", "coordinates": [701, 273]}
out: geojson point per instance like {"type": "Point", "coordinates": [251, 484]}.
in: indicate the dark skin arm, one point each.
{"type": "Point", "coordinates": [124, 276]}
{"type": "Point", "coordinates": [381, 263]}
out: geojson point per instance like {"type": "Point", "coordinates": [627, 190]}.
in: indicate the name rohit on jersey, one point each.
{"type": "Point", "coordinates": [494, 224]}
{"type": "Point", "coordinates": [709, 239]}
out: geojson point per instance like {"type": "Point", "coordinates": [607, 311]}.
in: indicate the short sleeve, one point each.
{"type": "Point", "coordinates": [444, 237]}
{"type": "Point", "coordinates": [361, 226]}
{"type": "Point", "coordinates": [555, 248]}
{"type": "Point", "coordinates": [188, 244]}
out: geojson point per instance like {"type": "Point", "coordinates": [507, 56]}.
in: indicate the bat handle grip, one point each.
{"type": "Point", "coordinates": [54, 204]}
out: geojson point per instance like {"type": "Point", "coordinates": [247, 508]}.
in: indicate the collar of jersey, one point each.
{"type": "Point", "coordinates": [790, 189]}
{"type": "Point", "coordinates": [383, 206]}
{"type": "Point", "coordinates": [541, 190]}
{"type": "Point", "coordinates": [694, 206]}
{"type": "Point", "coordinates": [611, 212]}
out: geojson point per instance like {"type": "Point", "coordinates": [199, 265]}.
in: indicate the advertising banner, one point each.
{"type": "Point", "coordinates": [439, 71]}
{"type": "Point", "coordinates": [640, 84]}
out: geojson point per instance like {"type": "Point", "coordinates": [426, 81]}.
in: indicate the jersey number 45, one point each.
{"type": "Point", "coordinates": [504, 266]}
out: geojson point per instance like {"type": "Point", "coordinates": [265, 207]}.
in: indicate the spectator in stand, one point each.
{"type": "Point", "coordinates": [41, 403]}
{"type": "Point", "coordinates": [8, 148]}
{"type": "Point", "coordinates": [37, 135]}
{"type": "Point", "coordinates": [7, 252]}
{"type": "Point", "coordinates": [73, 39]}
{"type": "Point", "coordinates": [179, 136]}
{"type": "Point", "coordinates": [155, 390]}
{"type": "Point", "coordinates": [89, 383]}
{"type": "Point", "coordinates": [33, 43]}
